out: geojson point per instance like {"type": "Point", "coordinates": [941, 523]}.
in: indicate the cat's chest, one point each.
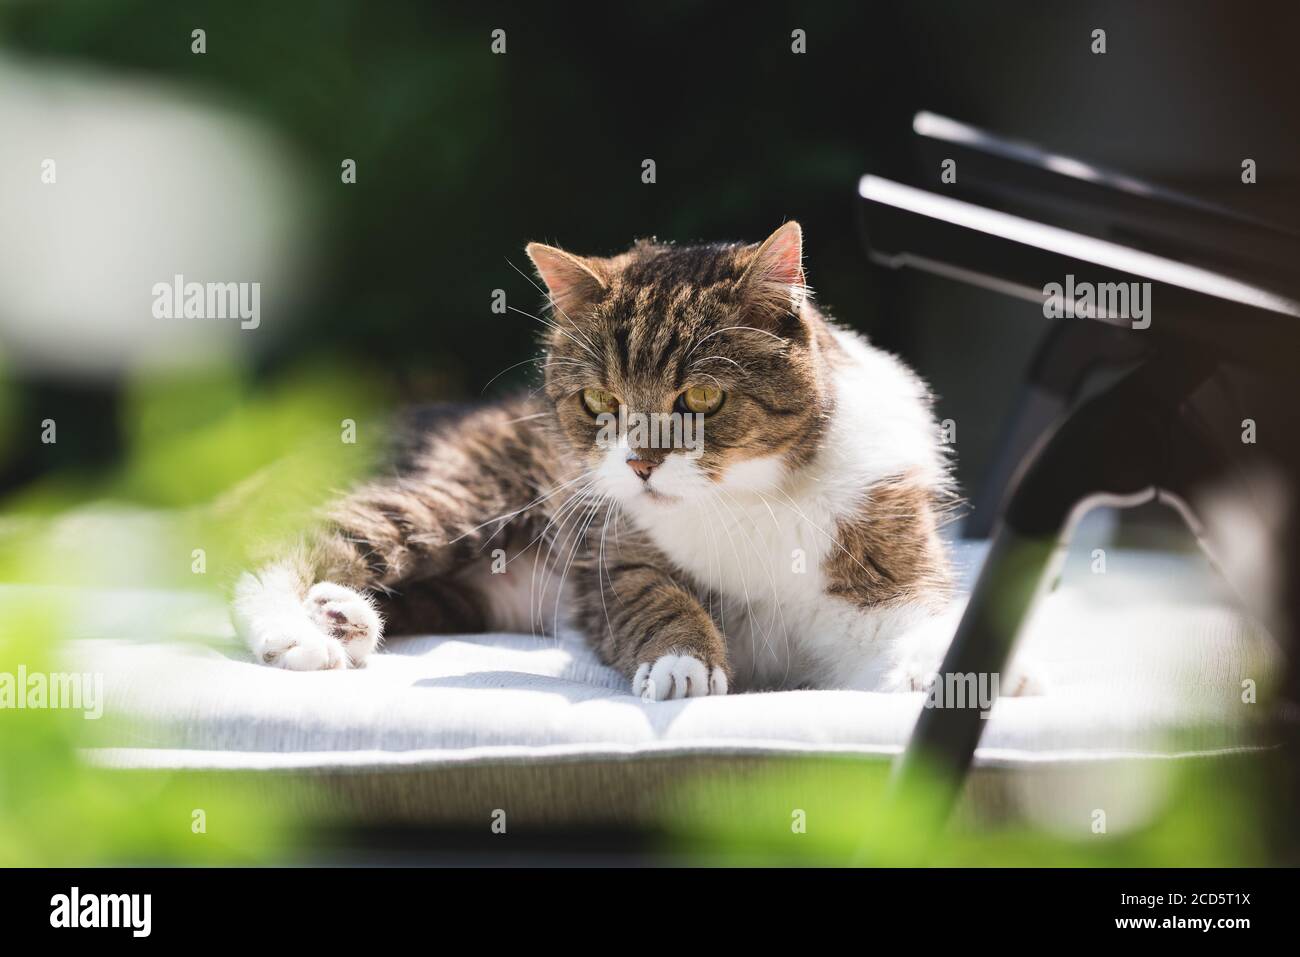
{"type": "Point", "coordinates": [760, 570]}
{"type": "Point", "coordinates": [752, 551]}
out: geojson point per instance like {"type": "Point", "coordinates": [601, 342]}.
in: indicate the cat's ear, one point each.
{"type": "Point", "coordinates": [774, 279]}
{"type": "Point", "coordinates": [572, 281]}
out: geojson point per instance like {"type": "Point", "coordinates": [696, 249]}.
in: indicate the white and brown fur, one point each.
{"type": "Point", "coordinates": [801, 549]}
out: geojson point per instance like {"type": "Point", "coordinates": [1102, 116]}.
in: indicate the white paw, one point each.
{"type": "Point", "coordinates": [916, 656]}
{"type": "Point", "coordinates": [917, 674]}
{"type": "Point", "coordinates": [334, 627]}
{"type": "Point", "coordinates": [677, 676]}
{"type": "Point", "coordinates": [1023, 679]}
{"type": "Point", "coordinates": [346, 617]}
{"type": "Point", "coordinates": [910, 676]}
{"type": "Point", "coordinates": [296, 644]}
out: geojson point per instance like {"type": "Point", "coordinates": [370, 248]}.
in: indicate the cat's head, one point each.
{"type": "Point", "coordinates": [680, 373]}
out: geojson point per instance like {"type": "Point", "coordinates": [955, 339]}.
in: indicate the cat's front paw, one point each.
{"type": "Point", "coordinates": [296, 644]}
{"type": "Point", "coordinates": [910, 676]}
{"type": "Point", "coordinates": [1022, 679]}
{"type": "Point", "coordinates": [677, 675]}
{"type": "Point", "coordinates": [346, 617]}
{"type": "Point", "coordinates": [334, 627]}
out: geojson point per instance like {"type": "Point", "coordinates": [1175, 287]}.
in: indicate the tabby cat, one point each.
{"type": "Point", "coordinates": [794, 545]}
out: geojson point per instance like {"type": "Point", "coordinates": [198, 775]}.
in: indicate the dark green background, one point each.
{"type": "Point", "coordinates": [464, 156]}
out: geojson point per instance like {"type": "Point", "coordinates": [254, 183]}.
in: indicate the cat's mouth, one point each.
{"type": "Point", "coordinates": [656, 496]}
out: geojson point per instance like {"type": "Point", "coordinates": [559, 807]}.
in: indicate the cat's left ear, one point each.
{"type": "Point", "coordinates": [774, 279]}
{"type": "Point", "coordinates": [572, 281]}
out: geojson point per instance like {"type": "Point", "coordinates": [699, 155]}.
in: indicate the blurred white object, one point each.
{"type": "Point", "coordinates": [149, 182]}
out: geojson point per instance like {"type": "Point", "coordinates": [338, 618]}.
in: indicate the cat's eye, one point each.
{"type": "Point", "coordinates": [599, 402]}
{"type": "Point", "coordinates": [703, 399]}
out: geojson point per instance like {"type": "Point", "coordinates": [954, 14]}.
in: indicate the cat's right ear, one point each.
{"type": "Point", "coordinates": [571, 281]}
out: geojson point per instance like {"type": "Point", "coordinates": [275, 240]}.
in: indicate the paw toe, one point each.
{"type": "Point", "coordinates": [718, 682]}
{"type": "Point", "coordinates": [323, 655]}
{"type": "Point", "coordinates": [346, 616]}
{"type": "Point", "coordinates": [675, 676]}
{"type": "Point", "coordinates": [1025, 680]}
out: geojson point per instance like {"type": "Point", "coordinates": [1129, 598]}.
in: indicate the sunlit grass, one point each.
{"type": "Point", "coordinates": [842, 812]}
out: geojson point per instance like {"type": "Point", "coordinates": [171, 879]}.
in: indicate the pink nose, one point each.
{"type": "Point", "coordinates": [642, 468]}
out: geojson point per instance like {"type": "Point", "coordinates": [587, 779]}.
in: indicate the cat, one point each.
{"type": "Point", "coordinates": [796, 545]}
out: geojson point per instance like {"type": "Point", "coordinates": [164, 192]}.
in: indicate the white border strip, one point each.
{"type": "Point", "coordinates": [180, 759]}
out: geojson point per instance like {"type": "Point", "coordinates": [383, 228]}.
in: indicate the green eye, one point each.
{"type": "Point", "coordinates": [703, 399]}
{"type": "Point", "coordinates": [599, 402]}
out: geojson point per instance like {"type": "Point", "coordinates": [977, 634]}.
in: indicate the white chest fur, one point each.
{"type": "Point", "coordinates": [760, 539]}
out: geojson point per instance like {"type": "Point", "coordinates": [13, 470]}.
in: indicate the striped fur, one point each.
{"type": "Point", "coordinates": [796, 549]}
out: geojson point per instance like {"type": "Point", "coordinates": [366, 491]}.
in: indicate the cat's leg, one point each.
{"type": "Point", "coordinates": [291, 620]}
{"type": "Point", "coordinates": [891, 563]}
{"type": "Point", "coordinates": [316, 607]}
{"type": "Point", "coordinates": [386, 550]}
{"type": "Point", "coordinates": [650, 627]}
{"type": "Point", "coordinates": [915, 656]}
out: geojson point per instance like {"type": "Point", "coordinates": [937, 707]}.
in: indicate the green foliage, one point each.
{"type": "Point", "coordinates": [190, 442]}
{"type": "Point", "coordinates": [212, 463]}
{"type": "Point", "coordinates": [58, 809]}
{"type": "Point", "coordinates": [842, 812]}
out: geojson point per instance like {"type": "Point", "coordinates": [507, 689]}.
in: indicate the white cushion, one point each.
{"type": "Point", "coordinates": [1147, 659]}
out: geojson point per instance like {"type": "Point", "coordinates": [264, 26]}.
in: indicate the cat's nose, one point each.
{"type": "Point", "coordinates": [642, 468]}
